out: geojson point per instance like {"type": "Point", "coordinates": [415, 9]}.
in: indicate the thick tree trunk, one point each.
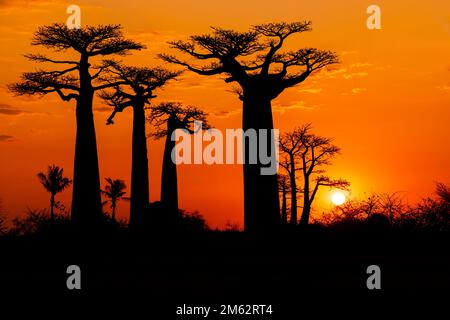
{"type": "Point", "coordinates": [261, 200]}
{"type": "Point", "coordinates": [139, 168]}
{"type": "Point", "coordinates": [304, 220]}
{"type": "Point", "coordinates": [284, 207]}
{"type": "Point", "coordinates": [169, 184]}
{"type": "Point", "coordinates": [86, 200]}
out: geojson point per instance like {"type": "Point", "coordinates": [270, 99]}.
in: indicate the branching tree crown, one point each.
{"type": "Point", "coordinates": [132, 85]}
{"type": "Point", "coordinates": [90, 41]}
{"type": "Point", "coordinates": [177, 116]}
{"type": "Point", "coordinates": [253, 58]}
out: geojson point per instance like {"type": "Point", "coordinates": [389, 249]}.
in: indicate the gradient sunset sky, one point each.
{"type": "Point", "coordinates": [387, 104]}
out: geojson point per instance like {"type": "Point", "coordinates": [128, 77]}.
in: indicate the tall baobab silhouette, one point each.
{"type": "Point", "coordinates": [312, 153]}
{"type": "Point", "coordinates": [114, 191]}
{"type": "Point", "coordinates": [135, 92]}
{"type": "Point", "coordinates": [168, 117]}
{"type": "Point", "coordinates": [54, 182]}
{"type": "Point", "coordinates": [284, 187]}
{"type": "Point", "coordinates": [253, 60]}
{"type": "Point", "coordinates": [76, 82]}
{"type": "Point", "coordinates": [291, 147]}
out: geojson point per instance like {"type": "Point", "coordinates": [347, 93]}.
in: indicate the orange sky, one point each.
{"type": "Point", "coordinates": [387, 104]}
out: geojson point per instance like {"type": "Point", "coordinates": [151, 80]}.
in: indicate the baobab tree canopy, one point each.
{"type": "Point", "coordinates": [133, 86]}
{"type": "Point", "coordinates": [253, 58]}
{"type": "Point", "coordinates": [90, 41]}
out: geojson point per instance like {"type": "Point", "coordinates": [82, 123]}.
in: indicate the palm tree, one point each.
{"type": "Point", "coordinates": [114, 191]}
{"type": "Point", "coordinates": [54, 182]}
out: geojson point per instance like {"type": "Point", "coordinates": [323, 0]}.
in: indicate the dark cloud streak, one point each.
{"type": "Point", "coordinates": [6, 138]}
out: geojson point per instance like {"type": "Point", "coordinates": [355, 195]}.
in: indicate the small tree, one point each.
{"type": "Point", "coordinates": [168, 117]}
{"type": "Point", "coordinates": [54, 182]}
{"type": "Point", "coordinates": [316, 154]}
{"type": "Point", "coordinates": [136, 91]}
{"type": "Point", "coordinates": [114, 191]}
{"type": "Point", "coordinates": [291, 148]}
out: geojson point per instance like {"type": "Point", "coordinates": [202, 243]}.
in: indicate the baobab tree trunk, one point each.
{"type": "Point", "coordinates": [86, 200]}
{"type": "Point", "coordinates": [261, 200]}
{"type": "Point", "coordinates": [304, 220]}
{"type": "Point", "coordinates": [139, 168]}
{"type": "Point", "coordinates": [169, 184]}
{"type": "Point", "coordinates": [284, 207]}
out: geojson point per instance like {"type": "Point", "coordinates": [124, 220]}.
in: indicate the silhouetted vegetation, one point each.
{"type": "Point", "coordinates": [284, 187]}
{"type": "Point", "coordinates": [78, 82]}
{"type": "Point", "coordinates": [389, 211]}
{"type": "Point", "coordinates": [253, 60]}
{"type": "Point", "coordinates": [135, 91]}
{"type": "Point", "coordinates": [114, 192]}
{"type": "Point", "coordinates": [308, 153]}
{"type": "Point", "coordinates": [3, 227]}
{"type": "Point", "coordinates": [167, 118]}
{"type": "Point", "coordinates": [54, 182]}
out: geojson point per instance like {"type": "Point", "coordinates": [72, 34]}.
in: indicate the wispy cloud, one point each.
{"type": "Point", "coordinates": [310, 90]}
{"type": "Point", "coordinates": [360, 65]}
{"type": "Point", "coordinates": [445, 88]}
{"type": "Point", "coordinates": [6, 138]}
{"type": "Point", "coordinates": [293, 105]}
{"type": "Point", "coordinates": [8, 110]}
{"type": "Point", "coordinates": [226, 113]}
{"type": "Point", "coordinates": [21, 3]}
{"type": "Point", "coordinates": [355, 75]}
{"type": "Point", "coordinates": [358, 90]}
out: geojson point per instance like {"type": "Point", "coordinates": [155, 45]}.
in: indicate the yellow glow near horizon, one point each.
{"type": "Point", "coordinates": [338, 198]}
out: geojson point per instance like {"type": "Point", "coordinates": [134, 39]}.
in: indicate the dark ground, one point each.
{"type": "Point", "coordinates": [294, 271]}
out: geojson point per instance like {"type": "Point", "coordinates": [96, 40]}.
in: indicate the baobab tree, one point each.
{"type": "Point", "coordinates": [254, 61]}
{"type": "Point", "coordinates": [317, 152]}
{"type": "Point", "coordinates": [284, 187]}
{"type": "Point", "coordinates": [291, 148]}
{"type": "Point", "coordinates": [168, 117]}
{"type": "Point", "coordinates": [54, 182]}
{"type": "Point", "coordinates": [78, 81]}
{"type": "Point", "coordinates": [136, 92]}
{"type": "Point", "coordinates": [114, 191]}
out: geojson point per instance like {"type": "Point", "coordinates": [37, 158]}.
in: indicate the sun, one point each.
{"type": "Point", "coordinates": [338, 198]}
